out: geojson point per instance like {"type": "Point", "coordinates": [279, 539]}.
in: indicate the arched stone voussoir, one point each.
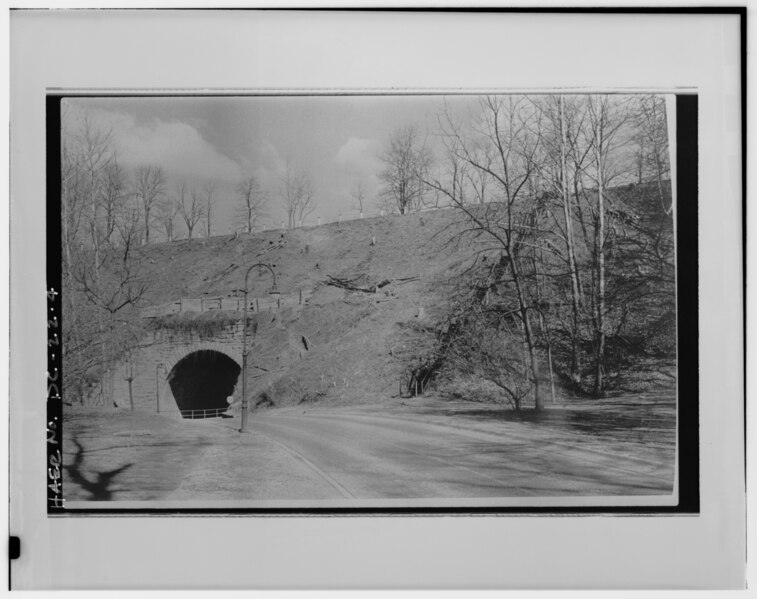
{"type": "Point", "coordinates": [179, 353]}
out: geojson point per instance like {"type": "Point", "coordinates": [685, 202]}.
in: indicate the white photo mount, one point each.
{"type": "Point", "coordinates": [54, 549]}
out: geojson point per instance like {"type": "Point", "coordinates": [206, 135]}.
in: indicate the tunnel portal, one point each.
{"type": "Point", "coordinates": [201, 383]}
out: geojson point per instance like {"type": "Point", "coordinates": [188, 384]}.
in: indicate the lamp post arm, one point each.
{"type": "Point", "coordinates": [243, 427]}
{"type": "Point", "coordinates": [258, 265]}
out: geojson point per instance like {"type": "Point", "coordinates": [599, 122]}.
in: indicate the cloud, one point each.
{"type": "Point", "coordinates": [178, 147]}
{"type": "Point", "coordinates": [270, 159]}
{"type": "Point", "coordinates": [269, 162]}
{"type": "Point", "coordinates": [359, 156]}
{"type": "Point", "coordinates": [263, 161]}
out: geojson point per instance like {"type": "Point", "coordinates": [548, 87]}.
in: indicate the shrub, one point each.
{"type": "Point", "coordinates": [470, 388]}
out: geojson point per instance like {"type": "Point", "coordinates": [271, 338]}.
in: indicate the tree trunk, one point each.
{"type": "Point", "coordinates": [640, 164]}
{"type": "Point", "coordinates": [527, 328]}
{"type": "Point", "coordinates": [209, 217]}
{"type": "Point", "coordinates": [538, 400]}
{"type": "Point", "coordinates": [545, 332]}
{"type": "Point", "coordinates": [599, 244]}
{"type": "Point", "coordinates": [97, 278]}
{"type": "Point", "coordinates": [551, 373]}
{"type": "Point", "coordinates": [147, 220]}
{"type": "Point", "coordinates": [111, 386]}
{"type": "Point", "coordinates": [575, 368]}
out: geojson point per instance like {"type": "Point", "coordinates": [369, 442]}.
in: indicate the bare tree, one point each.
{"type": "Point", "coordinates": [72, 202]}
{"type": "Point", "coordinates": [168, 209]}
{"type": "Point", "coordinates": [115, 296]}
{"type": "Point", "coordinates": [605, 121]}
{"type": "Point", "coordinates": [358, 195]}
{"type": "Point", "coordinates": [458, 174]}
{"type": "Point", "coordinates": [407, 161]}
{"type": "Point", "coordinates": [105, 319]}
{"type": "Point", "coordinates": [252, 203]}
{"type": "Point", "coordinates": [508, 132]}
{"type": "Point", "coordinates": [479, 179]}
{"type": "Point", "coordinates": [190, 207]}
{"type": "Point", "coordinates": [486, 349]}
{"type": "Point", "coordinates": [149, 187]}
{"type": "Point", "coordinates": [129, 376]}
{"type": "Point", "coordinates": [130, 226]}
{"type": "Point", "coordinates": [208, 191]}
{"type": "Point", "coordinates": [112, 196]}
{"type": "Point", "coordinates": [298, 197]}
{"type": "Point", "coordinates": [79, 327]}
{"type": "Point", "coordinates": [94, 155]}
{"type": "Point", "coordinates": [653, 152]}
{"type": "Point", "coordinates": [558, 172]}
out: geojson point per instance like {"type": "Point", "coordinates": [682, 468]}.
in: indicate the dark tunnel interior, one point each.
{"type": "Point", "coordinates": [201, 383]}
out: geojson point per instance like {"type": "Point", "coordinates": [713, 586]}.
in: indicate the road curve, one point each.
{"type": "Point", "coordinates": [375, 456]}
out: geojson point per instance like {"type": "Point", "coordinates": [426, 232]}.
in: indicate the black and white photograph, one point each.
{"type": "Point", "coordinates": [382, 298]}
{"type": "Point", "coordinates": [368, 300]}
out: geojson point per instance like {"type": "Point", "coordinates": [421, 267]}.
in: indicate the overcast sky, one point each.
{"type": "Point", "coordinates": [336, 140]}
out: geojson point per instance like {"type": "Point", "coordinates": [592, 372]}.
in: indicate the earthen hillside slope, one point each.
{"type": "Point", "coordinates": [340, 345]}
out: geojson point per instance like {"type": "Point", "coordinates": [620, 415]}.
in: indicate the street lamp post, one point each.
{"type": "Point", "coordinates": [157, 385]}
{"type": "Point", "coordinates": [274, 290]}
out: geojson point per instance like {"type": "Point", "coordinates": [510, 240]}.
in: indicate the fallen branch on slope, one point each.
{"type": "Point", "coordinates": [350, 286]}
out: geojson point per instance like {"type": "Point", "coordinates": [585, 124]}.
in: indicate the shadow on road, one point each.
{"type": "Point", "coordinates": [100, 488]}
{"type": "Point", "coordinates": [653, 420]}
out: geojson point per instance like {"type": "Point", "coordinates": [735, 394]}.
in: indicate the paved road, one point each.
{"type": "Point", "coordinates": [365, 455]}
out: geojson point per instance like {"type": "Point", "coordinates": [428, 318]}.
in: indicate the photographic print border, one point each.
{"type": "Point", "coordinates": [687, 445]}
{"type": "Point", "coordinates": [644, 548]}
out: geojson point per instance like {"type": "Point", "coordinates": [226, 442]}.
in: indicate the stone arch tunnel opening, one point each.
{"type": "Point", "coordinates": [202, 381]}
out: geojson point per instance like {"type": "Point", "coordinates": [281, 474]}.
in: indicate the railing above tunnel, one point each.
{"type": "Point", "coordinates": [229, 304]}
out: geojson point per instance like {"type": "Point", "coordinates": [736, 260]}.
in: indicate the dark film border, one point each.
{"type": "Point", "coordinates": [54, 424]}
{"type": "Point", "coordinates": [687, 301]}
{"type": "Point", "coordinates": [687, 307]}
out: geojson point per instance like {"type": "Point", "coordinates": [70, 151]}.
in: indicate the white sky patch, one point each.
{"type": "Point", "coordinates": [359, 162]}
{"type": "Point", "coordinates": [270, 165]}
{"type": "Point", "coordinates": [264, 162]}
{"type": "Point", "coordinates": [359, 156]}
{"type": "Point", "coordinates": [177, 147]}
